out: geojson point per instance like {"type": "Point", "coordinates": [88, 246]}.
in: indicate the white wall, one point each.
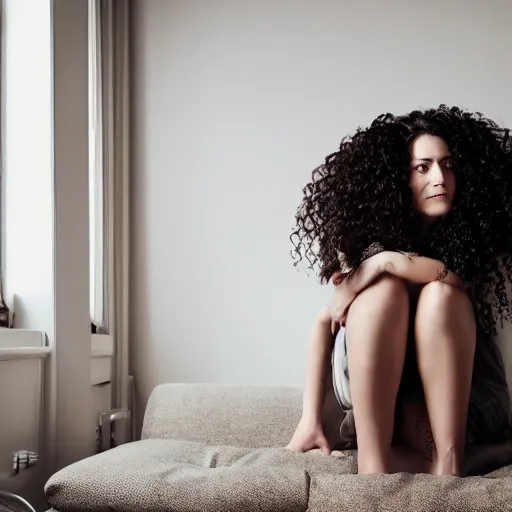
{"type": "Point", "coordinates": [75, 418]}
{"type": "Point", "coordinates": [234, 104]}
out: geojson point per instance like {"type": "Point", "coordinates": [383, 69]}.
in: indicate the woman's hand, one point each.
{"type": "Point", "coordinates": [308, 436]}
{"type": "Point", "coordinates": [344, 295]}
{"type": "Point", "coordinates": [349, 285]}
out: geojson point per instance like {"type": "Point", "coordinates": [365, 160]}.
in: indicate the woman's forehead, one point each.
{"type": "Point", "coordinates": [428, 147]}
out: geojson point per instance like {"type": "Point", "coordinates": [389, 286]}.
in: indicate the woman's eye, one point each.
{"type": "Point", "coordinates": [448, 164]}
{"type": "Point", "coordinates": [422, 168]}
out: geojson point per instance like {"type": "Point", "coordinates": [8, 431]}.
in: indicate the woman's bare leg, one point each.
{"type": "Point", "coordinates": [445, 337]}
{"type": "Point", "coordinates": [418, 449]}
{"type": "Point", "coordinates": [376, 343]}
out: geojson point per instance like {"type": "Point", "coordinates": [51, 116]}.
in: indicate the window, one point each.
{"type": "Point", "coordinates": [5, 320]}
{"type": "Point", "coordinates": [97, 181]}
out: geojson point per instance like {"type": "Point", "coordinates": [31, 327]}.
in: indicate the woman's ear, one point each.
{"type": "Point", "coordinates": [337, 278]}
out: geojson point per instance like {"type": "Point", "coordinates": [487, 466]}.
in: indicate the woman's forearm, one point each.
{"type": "Point", "coordinates": [416, 269]}
{"type": "Point", "coordinates": [319, 352]}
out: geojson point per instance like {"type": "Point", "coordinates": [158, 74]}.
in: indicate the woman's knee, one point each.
{"type": "Point", "coordinates": [387, 289]}
{"type": "Point", "coordinates": [444, 308]}
{"type": "Point", "coordinates": [441, 299]}
{"type": "Point", "coordinates": [388, 294]}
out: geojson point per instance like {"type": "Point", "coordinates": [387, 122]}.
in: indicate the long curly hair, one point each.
{"type": "Point", "coordinates": [361, 197]}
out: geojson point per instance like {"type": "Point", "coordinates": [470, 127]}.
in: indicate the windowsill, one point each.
{"type": "Point", "coordinates": [102, 350]}
{"type": "Point", "coordinates": [23, 344]}
{"type": "Point", "coordinates": [102, 345]}
{"type": "Point", "coordinates": [7, 354]}
{"type": "Point", "coordinates": [30, 344]}
{"type": "Point", "coordinates": [22, 338]}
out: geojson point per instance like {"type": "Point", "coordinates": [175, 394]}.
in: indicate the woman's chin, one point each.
{"type": "Point", "coordinates": [436, 211]}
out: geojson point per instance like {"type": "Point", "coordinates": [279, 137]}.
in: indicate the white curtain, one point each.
{"type": "Point", "coordinates": [110, 251]}
{"type": "Point", "coordinates": [114, 51]}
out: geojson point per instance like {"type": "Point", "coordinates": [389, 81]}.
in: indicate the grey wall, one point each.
{"type": "Point", "coordinates": [234, 103]}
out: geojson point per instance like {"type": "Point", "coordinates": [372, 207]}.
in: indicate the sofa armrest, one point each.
{"type": "Point", "coordinates": [255, 417]}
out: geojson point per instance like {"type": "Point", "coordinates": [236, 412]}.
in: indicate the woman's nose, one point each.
{"type": "Point", "coordinates": [437, 175]}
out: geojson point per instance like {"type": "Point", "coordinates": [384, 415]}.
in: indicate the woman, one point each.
{"type": "Point", "coordinates": [411, 219]}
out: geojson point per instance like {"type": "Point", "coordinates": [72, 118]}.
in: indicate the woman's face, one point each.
{"type": "Point", "coordinates": [431, 176]}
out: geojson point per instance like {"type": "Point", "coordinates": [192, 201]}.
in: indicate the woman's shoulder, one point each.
{"type": "Point", "coordinates": [373, 249]}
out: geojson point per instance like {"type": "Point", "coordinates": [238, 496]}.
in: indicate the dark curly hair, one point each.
{"type": "Point", "coordinates": [361, 196]}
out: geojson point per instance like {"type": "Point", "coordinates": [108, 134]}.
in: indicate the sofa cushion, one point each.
{"type": "Point", "coordinates": [167, 475]}
{"type": "Point", "coordinates": [256, 416]}
{"type": "Point", "coordinates": [164, 475]}
{"type": "Point", "coordinates": [411, 493]}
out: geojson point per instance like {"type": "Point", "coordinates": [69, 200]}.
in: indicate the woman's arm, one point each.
{"type": "Point", "coordinates": [319, 352]}
{"type": "Point", "coordinates": [309, 433]}
{"type": "Point", "coordinates": [415, 269]}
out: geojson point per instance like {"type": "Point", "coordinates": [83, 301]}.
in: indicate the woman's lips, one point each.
{"type": "Point", "coordinates": [439, 196]}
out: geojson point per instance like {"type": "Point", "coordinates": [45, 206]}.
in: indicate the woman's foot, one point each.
{"type": "Point", "coordinates": [446, 465]}
{"type": "Point", "coordinates": [373, 467]}
{"type": "Point", "coordinates": [402, 459]}
{"type": "Point", "coordinates": [373, 462]}
{"type": "Point", "coordinates": [408, 460]}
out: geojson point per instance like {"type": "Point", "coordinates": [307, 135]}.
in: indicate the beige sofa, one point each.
{"type": "Point", "coordinates": [219, 448]}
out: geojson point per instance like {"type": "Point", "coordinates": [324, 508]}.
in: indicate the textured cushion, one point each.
{"type": "Point", "coordinates": [249, 416]}
{"type": "Point", "coordinates": [411, 493]}
{"type": "Point", "coordinates": [228, 415]}
{"type": "Point", "coordinates": [166, 475]}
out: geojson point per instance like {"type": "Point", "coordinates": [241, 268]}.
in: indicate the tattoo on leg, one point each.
{"type": "Point", "coordinates": [429, 444]}
{"type": "Point", "coordinates": [429, 440]}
